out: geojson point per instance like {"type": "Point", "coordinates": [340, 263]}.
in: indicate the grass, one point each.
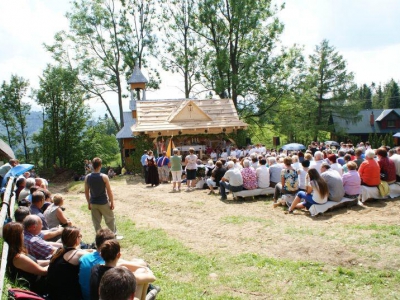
{"type": "Point", "coordinates": [184, 274]}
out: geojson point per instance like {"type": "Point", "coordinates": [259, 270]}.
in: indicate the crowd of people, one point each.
{"type": "Point", "coordinates": [319, 174]}
{"type": "Point", "coordinates": [48, 256]}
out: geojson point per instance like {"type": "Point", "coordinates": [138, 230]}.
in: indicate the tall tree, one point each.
{"type": "Point", "coordinates": [238, 35]}
{"type": "Point", "coordinates": [392, 95]}
{"type": "Point", "coordinates": [364, 94]}
{"type": "Point", "coordinates": [103, 42]}
{"type": "Point", "coordinates": [182, 43]}
{"type": "Point", "coordinates": [62, 98]}
{"type": "Point", "coordinates": [333, 87]}
{"type": "Point", "coordinates": [7, 119]}
{"type": "Point", "coordinates": [378, 98]}
{"type": "Point", "coordinates": [12, 95]}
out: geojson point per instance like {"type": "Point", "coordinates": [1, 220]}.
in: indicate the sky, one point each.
{"type": "Point", "coordinates": [364, 32]}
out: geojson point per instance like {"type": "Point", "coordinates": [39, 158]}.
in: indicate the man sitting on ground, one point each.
{"type": "Point", "coordinates": [118, 283]}
{"type": "Point", "coordinates": [88, 261]}
{"type": "Point", "coordinates": [35, 208]}
{"type": "Point", "coordinates": [34, 244]}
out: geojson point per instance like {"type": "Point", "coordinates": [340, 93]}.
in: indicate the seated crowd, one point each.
{"type": "Point", "coordinates": [46, 253]}
{"type": "Point", "coordinates": [319, 175]}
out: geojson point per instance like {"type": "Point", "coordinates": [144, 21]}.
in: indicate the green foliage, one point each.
{"type": "Point", "coordinates": [99, 140]}
{"type": "Point", "coordinates": [141, 142]}
{"type": "Point", "coordinates": [392, 95]}
{"type": "Point", "coordinates": [239, 137]}
{"type": "Point", "coordinates": [13, 112]}
{"type": "Point", "coordinates": [332, 88]}
{"type": "Point", "coordinates": [62, 99]}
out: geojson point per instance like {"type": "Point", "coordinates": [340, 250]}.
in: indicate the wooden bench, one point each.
{"type": "Point", "coordinates": [252, 193]}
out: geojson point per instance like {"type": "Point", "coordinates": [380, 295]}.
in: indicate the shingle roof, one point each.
{"type": "Point", "coordinates": [137, 76]}
{"type": "Point", "coordinates": [5, 150]}
{"type": "Point", "coordinates": [159, 115]}
{"type": "Point", "coordinates": [126, 131]}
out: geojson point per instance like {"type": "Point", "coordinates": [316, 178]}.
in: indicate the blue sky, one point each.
{"type": "Point", "coordinates": [365, 32]}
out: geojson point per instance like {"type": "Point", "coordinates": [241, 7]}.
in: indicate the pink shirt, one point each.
{"type": "Point", "coordinates": [249, 178]}
{"type": "Point", "coordinates": [352, 183]}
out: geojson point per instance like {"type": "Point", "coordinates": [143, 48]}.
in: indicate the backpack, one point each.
{"type": "Point", "coordinates": [14, 294]}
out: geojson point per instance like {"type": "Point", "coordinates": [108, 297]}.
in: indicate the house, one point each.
{"type": "Point", "coordinates": [197, 123]}
{"type": "Point", "coordinates": [371, 121]}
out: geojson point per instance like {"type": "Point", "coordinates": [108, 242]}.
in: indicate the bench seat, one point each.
{"type": "Point", "coordinates": [255, 192]}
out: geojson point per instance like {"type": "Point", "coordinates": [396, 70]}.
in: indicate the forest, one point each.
{"type": "Point", "coordinates": [221, 49]}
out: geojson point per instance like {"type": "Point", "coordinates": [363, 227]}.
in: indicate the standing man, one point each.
{"type": "Point", "coordinates": [143, 161]}
{"type": "Point", "coordinates": [99, 197]}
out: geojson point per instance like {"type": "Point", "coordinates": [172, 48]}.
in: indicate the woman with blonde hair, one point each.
{"type": "Point", "coordinates": [316, 192]}
{"type": "Point", "coordinates": [55, 215]}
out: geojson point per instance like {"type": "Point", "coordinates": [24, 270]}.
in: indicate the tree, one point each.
{"type": "Point", "coordinates": [7, 118]}
{"type": "Point", "coordinates": [365, 96]}
{"type": "Point", "coordinates": [103, 45]}
{"type": "Point", "coordinates": [239, 36]}
{"type": "Point", "coordinates": [12, 95]}
{"type": "Point", "coordinates": [378, 98]}
{"type": "Point", "coordinates": [333, 87]}
{"type": "Point", "coordinates": [392, 95]}
{"type": "Point", "coordinates": [62, 98]}
{"type": "Point", "coordinates": [182, 42]}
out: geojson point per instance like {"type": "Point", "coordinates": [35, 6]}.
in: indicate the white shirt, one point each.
{"type": "Point", "coordinates": [234, 177]}
{"type": "Point", "coordinates": [316, 165]}
{"type": "Point", "coordinates": [262, 176]}
{"type": "Point", "coordinates": [302, 178]}
{"type": "Point", "coordinates": [396, 159]}
{"type": "Point", "coordinates": [338, 168]}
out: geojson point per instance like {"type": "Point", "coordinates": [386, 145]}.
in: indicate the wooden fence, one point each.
{"type": "Point", "coordinates": [7, 210]}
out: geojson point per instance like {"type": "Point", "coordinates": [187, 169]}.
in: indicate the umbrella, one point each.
{"type": "Point", "coordinates": [293, 147]}
{"type": "Point", "coordinates": [332, 143]}
{"type": "Point", "coordinates": [396, 135]}
{"type": "Point", "coordinates": [16, 171]}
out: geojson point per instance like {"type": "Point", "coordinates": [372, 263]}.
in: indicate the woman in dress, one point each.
{"type": "Point", "coordinates": [63, 273]}
{"type": "Point", "coordinates": [21, 265]}
{"type": "Point", "coordinates": [289, 180]}
{"type": "Point", "coordinates": [152, 175]}
{"type": "Point", "coordinates": [316, 192]}
{"type": "Point", "coordinates": [191, 167]}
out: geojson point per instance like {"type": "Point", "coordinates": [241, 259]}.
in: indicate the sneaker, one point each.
{"type": "Point", "coordinates": [153, 291]}
{"type": "Point", "coordinates": [119, 237]}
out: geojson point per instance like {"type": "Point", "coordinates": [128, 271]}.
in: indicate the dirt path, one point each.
{"type": "Point", "coordinates": [205, 224]}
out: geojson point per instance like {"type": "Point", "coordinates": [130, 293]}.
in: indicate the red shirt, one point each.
{"type": "Point", "coordinates": [370, 172]}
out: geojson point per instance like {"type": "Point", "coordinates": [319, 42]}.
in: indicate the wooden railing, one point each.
{"type": "Point", "coordinates": [7, 210]}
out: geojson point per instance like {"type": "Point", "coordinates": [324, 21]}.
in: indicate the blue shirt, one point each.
{"type": "Point", "coordinates": [143, 159]}
{"type": "Point", "coordinates": [86, 263]}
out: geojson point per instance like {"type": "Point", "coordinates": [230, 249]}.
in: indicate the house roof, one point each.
{"type": "Point", "coordinates": [5, 150]}
{"type": "Point", "coordinates": [137, 76]}
{"type": "Point", "coordinates": [126, 131]}
{"type": "Point", "coordinates": [363, 126]}
{"type": "Point", "coordinates": [180, 114]}
{"type": "Point", "coordinates": [384, 114]}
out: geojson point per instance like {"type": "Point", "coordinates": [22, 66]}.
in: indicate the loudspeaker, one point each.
{"type": "Point", "coordinates": [276, 141]}
{"type": "Point", "coordinates": [248, 141]}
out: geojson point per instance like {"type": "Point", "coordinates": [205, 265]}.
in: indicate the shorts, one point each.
{"type": "Point", "coordinates": [176, 176]}
{"type": "Point", "coordinates": [191, 174]}
{"type": "Point", "coordinates": [211, 182]}
{"type": "Point", "coordinates": [308, 200]}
